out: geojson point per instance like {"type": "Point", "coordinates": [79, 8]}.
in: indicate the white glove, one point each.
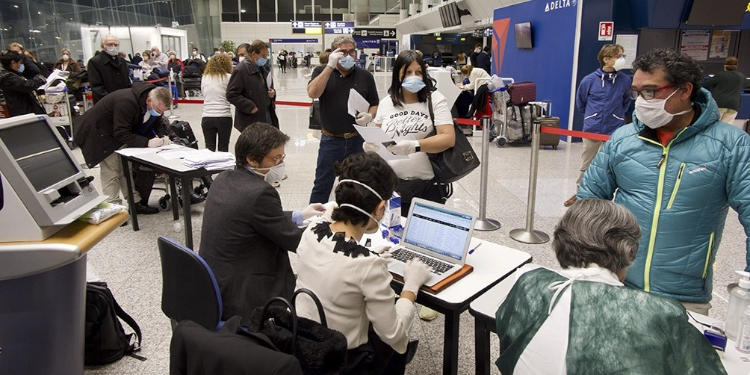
{"type": "Point", "coordinates": [155, 142]}
{"type": "Point", "coordinates": [329, 207]}
{"type": "Point", "coordinates": [370, 147]}
{"type": "Point", "coordinates": [404, 147]}
{"type": "Point", "coordinates": [314, 209]}
{"type": "Point", "coordinates": [363, 118]}
{"type": "Point", "coordinates": [334, 57]}
{"type": "Point", "coordinates": [383, 250]}
{"type": "Point", "coordinates": [416, 274]}
{"type": "Point", "coordinates": [166, 140]}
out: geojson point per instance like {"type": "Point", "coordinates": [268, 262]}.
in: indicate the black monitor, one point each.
{"type": "Point", "coordinates": [524, 36]}
{"type": "Point", "coordinates": [717, 13]}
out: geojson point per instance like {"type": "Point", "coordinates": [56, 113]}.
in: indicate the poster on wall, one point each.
{"type": "Point", "coordinates": [719, 44]}
{"type": "Point", "coordinates": [694, 43]}
{"type": "Point", "coordinates": [629, 43]}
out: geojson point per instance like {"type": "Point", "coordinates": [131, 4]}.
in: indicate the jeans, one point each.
{"type": "Point", "coordinates": [331, 150]}
{"type": "Point", "coordinates": [213, 126]}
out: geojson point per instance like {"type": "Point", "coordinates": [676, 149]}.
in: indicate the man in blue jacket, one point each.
{"type": "Point", "coordinates": [678, 169]}
{"type": "Point", "coordinates": [603, 97]}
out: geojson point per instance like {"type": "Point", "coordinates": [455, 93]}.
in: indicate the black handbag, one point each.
{"type": "Point", "coordinates": [320, 350]}
{"type": "Point", "coordinates": [315, 115]}
{"type": "Point", "coordinates": [456, 162]}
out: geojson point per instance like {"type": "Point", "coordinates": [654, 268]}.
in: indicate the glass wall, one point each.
{"type": "Point", "coordinates": [293, 10]}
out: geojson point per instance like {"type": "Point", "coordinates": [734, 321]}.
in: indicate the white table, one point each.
{"type": "Point", "coordinates": [485, 306]}
{"type": "Point", "coordinates": [492, 263]}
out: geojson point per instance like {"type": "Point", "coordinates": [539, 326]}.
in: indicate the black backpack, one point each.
{"type": "Point", "coordinates": [106, 341]}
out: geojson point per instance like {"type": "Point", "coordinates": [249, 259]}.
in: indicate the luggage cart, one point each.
{"type": "Point", "coordinates": [57, 106]}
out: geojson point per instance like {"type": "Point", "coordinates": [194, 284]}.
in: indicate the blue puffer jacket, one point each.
{"type": "Point", "coordinates": [680, 194]}
{"type": "Point", "coordinates": [603, 99]}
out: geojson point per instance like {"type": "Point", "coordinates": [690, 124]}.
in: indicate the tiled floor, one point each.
{"type": "Point", "coordinates": [129, 260]}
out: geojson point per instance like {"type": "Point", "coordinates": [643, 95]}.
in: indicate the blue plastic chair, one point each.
{"type": "Point", "coordinates": [189, 288]}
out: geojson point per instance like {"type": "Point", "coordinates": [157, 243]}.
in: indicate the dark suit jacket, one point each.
{"type": "Point", "coordinates": [107, 74]}
{"type": "Point", "coordinates": [247, 90]}
{"type": "Point", "coordinates": [245, 239]}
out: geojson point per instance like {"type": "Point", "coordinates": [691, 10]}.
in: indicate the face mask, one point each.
{"type": "Point", "coordinates": [347, 62]}
{"type": "Point", "coordinates": [112, 50]}
{"type": "Point", "coordinates": [478, 50]}
{"type": "Point", "coordinates": [274, 174]}
{"type": "Point", "coordinates": [377, 222]}
{"type": "Point", "coordinates": [153, 112]}
{"type": "Point", "coordinates": [261, 61]}
{"type": "Point", "coordinates": [172, 57]}
{"type": "Point", "coordinates": [241, 59]}
{"type": "Point", "coordinates": [620, 64]}
{"type": "Point", "coordinates": [65, 57]}
{"type": "Point", "coordinates": [21, 68]}
{"type": "Point", "coordinates": [195, 53]}
{"type": "Point", "coordinates": [153, 54]}
{"type": "Point", "coordinates": [413, 84]}
{"type": "Point", "coordinates": [652, 112]}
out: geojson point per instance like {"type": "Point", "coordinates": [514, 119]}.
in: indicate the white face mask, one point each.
{"type": "Point", "coordinates": [112, 50]}
{"type": "Point", "coordinates": [620, 64]}
{"type": "Point", "coordinates": [65, 57]}
{"type": "Point", "coordinates": [273, 174]}
{"type": "Point", "coordinates": [241, 58]}
{"type": "Point", "coordinates": [652, 112]}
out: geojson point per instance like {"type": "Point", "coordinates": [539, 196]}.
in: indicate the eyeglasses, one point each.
{"type": "Point", "coordinates": [351, 52]}
{"type": "Point", "coordinates": [648, 94]}
{"type": "Point", "coordinates": [278, 158]}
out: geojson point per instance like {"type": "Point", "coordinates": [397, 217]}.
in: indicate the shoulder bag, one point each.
{"type": "Point", "coordinates": [456, 162]}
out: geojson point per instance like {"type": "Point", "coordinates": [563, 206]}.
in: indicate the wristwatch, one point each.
{"type": "Point", "coordinates": [418, 148]}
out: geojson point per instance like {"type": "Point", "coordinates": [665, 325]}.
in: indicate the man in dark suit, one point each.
{"type": "Point", "coordinates": [249, 90]}
{"type": "Point", "coordinates": [246, 235]}
{"type": "Point", "coordinates": [108, 72]}
{"type": "Point", "coordinates": [484, 61]}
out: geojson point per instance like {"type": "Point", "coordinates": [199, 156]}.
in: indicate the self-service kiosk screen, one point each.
{"type": "Point", "coordinates": [39, 153]}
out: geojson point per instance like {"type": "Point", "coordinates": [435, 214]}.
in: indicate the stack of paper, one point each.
{"type": "Point", "coordinates": [208, 159]}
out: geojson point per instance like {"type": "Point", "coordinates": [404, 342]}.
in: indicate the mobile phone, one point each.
{"type": "Point", "coordinates": [389, 144]}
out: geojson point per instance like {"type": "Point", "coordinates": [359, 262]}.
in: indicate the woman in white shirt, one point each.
{"type": "Point", "coordinates": [406, 117]}
{"type": "Point", "coordinates": [473, 75]}
{"type": "Point", "coordinates": [217, 116]}
{"type": "Point", "coordinates": [352, 281]}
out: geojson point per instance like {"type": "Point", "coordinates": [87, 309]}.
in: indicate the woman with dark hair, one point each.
{"type": "Point", "coordinates": [19, 91]}
{"type": "Point", "coordinates": [419, 119]}
{"type": "Point", "coordinates": [352, 281]}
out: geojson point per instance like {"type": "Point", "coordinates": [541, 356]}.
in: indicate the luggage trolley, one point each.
{"type": "Point", "coordinates": [57, 106]}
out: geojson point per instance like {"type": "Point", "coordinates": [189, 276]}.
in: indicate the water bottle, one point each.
{"type": "Point", "coordinates": [739, 300]}
{"type": "Point", "coordinates": [743, 339]}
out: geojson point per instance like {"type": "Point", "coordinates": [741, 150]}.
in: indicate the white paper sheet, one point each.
{"type": "Point", "coordinates": [357, 103]}
{"type": "Point", "coordinates": [269, 80]}
{"type": "Point", "coordinates": [133, 151]}
{"type": "Point", "coordinates": [377, 136]}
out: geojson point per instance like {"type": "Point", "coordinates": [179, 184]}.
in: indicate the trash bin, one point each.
{"type": "Point", "coordinates": [42, 309]}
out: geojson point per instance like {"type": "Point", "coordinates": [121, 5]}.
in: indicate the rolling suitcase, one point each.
{"type": "Point", "coordinates": [546, 139]}
{"type": "Point", "coordinates": [522, 92]}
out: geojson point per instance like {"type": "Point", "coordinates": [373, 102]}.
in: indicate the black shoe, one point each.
{"type": "Point", "coordinates": [144, 209]}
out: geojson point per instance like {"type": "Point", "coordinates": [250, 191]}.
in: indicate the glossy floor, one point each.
{"type": "Point", "coordinates": [129, 261]}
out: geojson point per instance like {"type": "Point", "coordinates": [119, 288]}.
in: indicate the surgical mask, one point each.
{"type": "Point", "coordinates": [65, 57]}
{"type": "Point", "coordinates": [261, 61]}
{"type": "Point", "coordinates": [413, 84]}
{"type": "Point", "coordinates": [652, 112]}
{"type": "Point", "coordinates": [111, 50]}
{"type": "Point", "coordinates": [274, 174]}
{"type": "Point", "coordinates": [377, 222]}
{"type": "Point", "coordinates": [195, 53]}
{"type": "Point", "coordinates": [21, 68]}
{"type": "Point", "coordinates": [172, 57]}
{"type": "Point", "coordinates": [347, 62]}
{"type": "Point", "coordinates": [620, 64]}
{"type": "Point", "coordinates": [153, 112]}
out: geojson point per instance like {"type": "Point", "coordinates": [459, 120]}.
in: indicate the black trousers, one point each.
{"type": "Point", "coordinates": [213, 126]}
{"type": "Point", "coordinates": [425, 189]}
{"type": "Point", "coordinates": [374, 358]}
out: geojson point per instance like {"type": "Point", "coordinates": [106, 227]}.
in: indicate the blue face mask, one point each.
{"type": "Point", "coordinates": [261, 61]}
{"type": "Point", "coordinates": [21, 68]}
{"type": "Point", "coordinates": [153, 113]}
{"type": "Point", "coordinates": [347, 62]}
{"type": "Point", "coordinates": [413, 84]}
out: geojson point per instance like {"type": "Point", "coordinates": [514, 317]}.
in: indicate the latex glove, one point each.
{"type": "Point", "coordinates": [314, 209]}
{"type": "Point", "coordinates": [383, 250]}
{"type": "Point", "coordinates": [155, 142]}
{"type": "Point", "coordinates": [370, 147]}
{"type": "Point", "coordinates": [166, 141]}
{"type": "Point", "coordinates": [363, 118]}
{"type": "Point", "coordinates": [404, 147]}
{"type": "Point", "coordinates": [329, 207]}
{"type": "Point", "coordinates": [334, 57]}
{"type": "Point", "coordinates": [416, 274]}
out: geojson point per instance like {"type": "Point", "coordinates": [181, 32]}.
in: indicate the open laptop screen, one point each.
{"type": "Point", "coordinates": [438, 229]}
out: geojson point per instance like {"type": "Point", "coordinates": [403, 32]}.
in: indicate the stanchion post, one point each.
{"type": "Point", "coordinates": [483, 223]}
{"type": "Point", "coordinates": [172, 116]}
{"type": "Point", "coordinates": [528, 234]}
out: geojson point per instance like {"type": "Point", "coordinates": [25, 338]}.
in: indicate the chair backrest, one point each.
{"type": "Point", "coordinates": [189, 288]}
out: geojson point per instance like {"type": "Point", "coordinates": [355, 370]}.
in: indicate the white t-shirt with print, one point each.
{"type": "Point", "coordinates": [412, 121]}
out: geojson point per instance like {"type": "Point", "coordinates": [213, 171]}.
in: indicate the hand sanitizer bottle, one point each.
{"type": "Point", "coordinates": [743, 338]}
{"type": "Point", "coordinates": [739, 300]}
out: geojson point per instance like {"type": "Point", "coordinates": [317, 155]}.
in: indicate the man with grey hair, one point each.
{"type": "Point", "coordinates": [125, 118]}
{"type": "Point", "coordinates": [581, 318]}
{"type": "Point", "coordinates": [107, 71]}
{"type": "Point", "coordinates": [158, 59]}
{"type": "Point", "coordinates": [331, 83]}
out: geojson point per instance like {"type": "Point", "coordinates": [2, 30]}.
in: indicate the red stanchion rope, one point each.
{"type": "Point", "coordinates": [158, 80]}
{"type": "Point", "coordinates": [575, 133]}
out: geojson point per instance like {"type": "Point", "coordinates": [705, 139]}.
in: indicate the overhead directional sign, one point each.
{"type": "Point", "coordinates": [338, 27]}
{"type": "Point", "coordinates": [307, 27]}
{"type": "Point", "coordinates": [375, 32]}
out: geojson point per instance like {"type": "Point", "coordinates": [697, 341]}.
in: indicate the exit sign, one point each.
{"type": "Point", "coordinates": [606, 31]}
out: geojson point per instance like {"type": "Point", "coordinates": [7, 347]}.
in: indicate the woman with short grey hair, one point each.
{"type": "Point", "coordinates": [584, 320]}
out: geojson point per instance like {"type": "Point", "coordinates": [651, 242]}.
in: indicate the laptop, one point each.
{"type": "Point", "coordinates": [436, 235]}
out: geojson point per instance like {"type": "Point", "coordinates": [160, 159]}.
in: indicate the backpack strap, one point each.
{"type": "Point", "coordinates": [132, 324]}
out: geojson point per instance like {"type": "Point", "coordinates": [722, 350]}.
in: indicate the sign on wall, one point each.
{"type": "Point", "coordinates": [719, 44]}
{"type": "Point", "coordinates": [375, 32]}
{"type": "Point", "coordinates": [694, 43]}
{"type": "Point", "coordinates": [338, 27]}
{"type": "Point", "coordinates": [606, 31]}
{"type": "Point", "coordinates": [307, 27]}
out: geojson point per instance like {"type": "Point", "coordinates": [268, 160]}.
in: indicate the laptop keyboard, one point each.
{"type": "Point", "coordinates": [404, 255]}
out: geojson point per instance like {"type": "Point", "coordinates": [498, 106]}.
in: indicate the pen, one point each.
{"type": "Point", "coordinates": [475, 247]}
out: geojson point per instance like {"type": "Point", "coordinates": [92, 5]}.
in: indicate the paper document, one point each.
{"type": "Point", "coordinates": [357, 103]}
{"type": "Point", "coordinates": [57, 74]}
{"type": "Point", "coordinates": [269, 80]}
{"type": "Point", "coordinates": [377, 136]}
{"type": "Point", "coordinates": [133, 151]}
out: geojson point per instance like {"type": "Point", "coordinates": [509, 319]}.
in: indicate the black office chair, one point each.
{"type": "Point", "coordinates": [189, 288]}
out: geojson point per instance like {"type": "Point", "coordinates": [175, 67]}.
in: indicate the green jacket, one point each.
{"type": "Point", "coordinates": [680, 194]}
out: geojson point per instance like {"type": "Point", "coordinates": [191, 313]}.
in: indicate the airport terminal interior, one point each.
{"type": "Point", "coordinates": [447, 32]}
